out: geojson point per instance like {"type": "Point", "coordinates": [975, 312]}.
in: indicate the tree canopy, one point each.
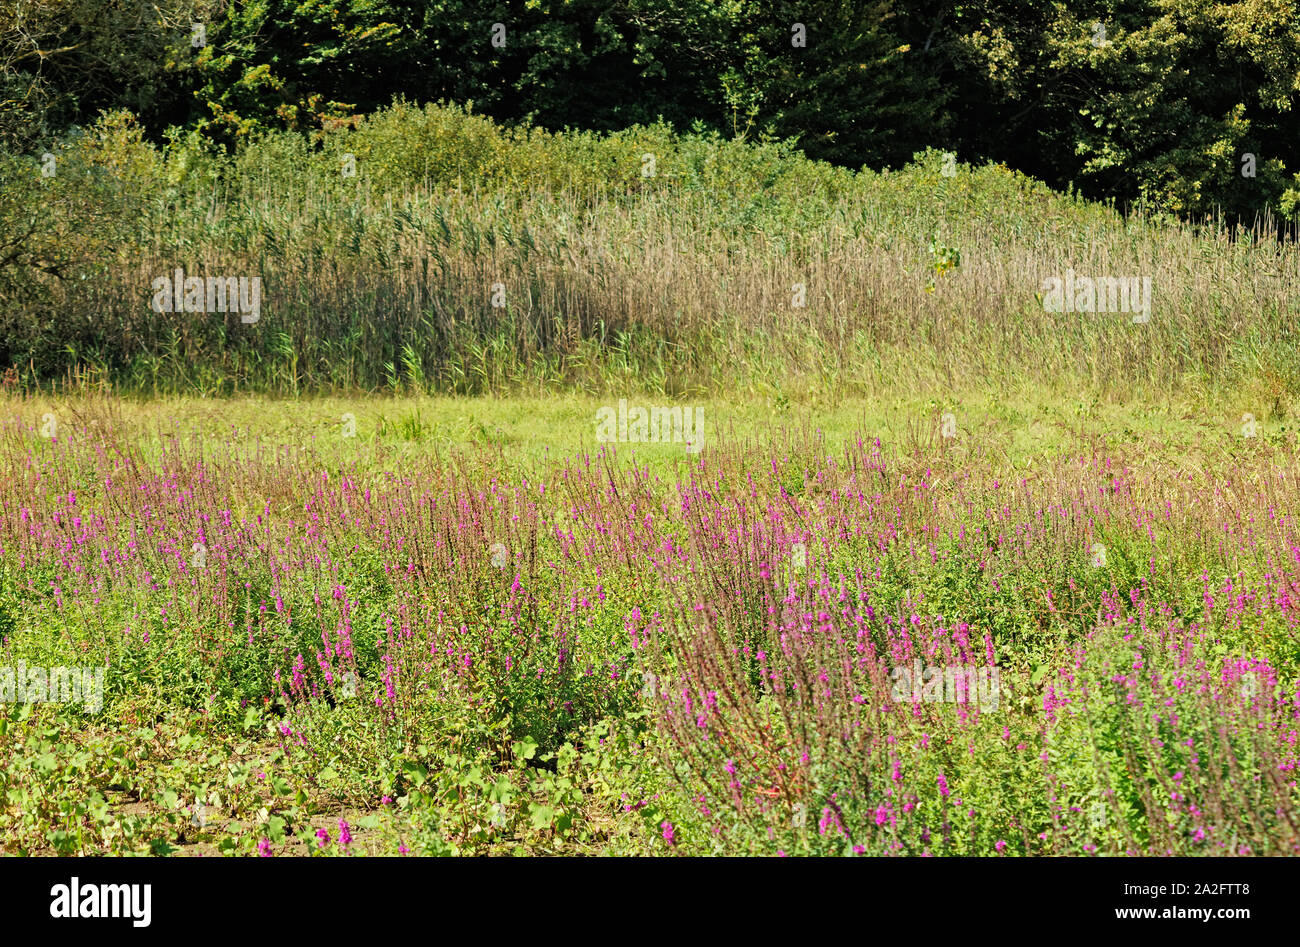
{"type": "Point", "coordinates": [1185, 104]}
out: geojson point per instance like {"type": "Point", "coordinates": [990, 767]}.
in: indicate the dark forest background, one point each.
{"type": "Point", "coordinates": [1166, 102]}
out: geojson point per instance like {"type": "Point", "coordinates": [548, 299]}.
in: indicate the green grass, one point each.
{"type": "Point", "coordinates": [1016, 426]}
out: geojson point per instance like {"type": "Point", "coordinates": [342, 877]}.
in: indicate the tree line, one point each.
{"type": "Point", "coordinates": [1187, 106]}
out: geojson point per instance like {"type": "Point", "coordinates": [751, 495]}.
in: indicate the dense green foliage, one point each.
{"type": "Point", "coordinates": [1155, 100]}
{"type": "Point", "coordinates": [463, 256]}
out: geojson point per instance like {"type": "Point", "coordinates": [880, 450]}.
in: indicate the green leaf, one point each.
{"type": "Point", "coordinates": [525, 749]}
{"type": "Point", "coordinates": [416, 771]}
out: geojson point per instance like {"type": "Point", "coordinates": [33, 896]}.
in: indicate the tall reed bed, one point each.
{"type": "Point", "coordinates": [461, 257]}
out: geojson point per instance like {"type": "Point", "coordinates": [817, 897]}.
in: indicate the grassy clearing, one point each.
{"type": "Point", "coordinates": [1015, 425]}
